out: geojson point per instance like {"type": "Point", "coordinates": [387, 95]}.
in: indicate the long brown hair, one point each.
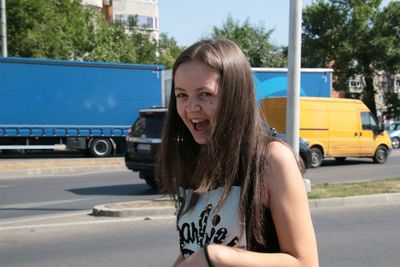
{"type": "Point", "coordinates": [236, 151]}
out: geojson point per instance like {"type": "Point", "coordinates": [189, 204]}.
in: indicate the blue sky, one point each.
{"type": "Point", "coordinates": [189, 20]}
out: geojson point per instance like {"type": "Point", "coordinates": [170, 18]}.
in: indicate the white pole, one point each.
{"type": "Point", "coordinates": [3, 29]}
{"type": "Point", "coordinates": [293, 92]}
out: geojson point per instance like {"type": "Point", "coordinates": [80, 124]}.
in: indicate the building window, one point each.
{"type": "Point", "coordinates": [355, 83]}
{"type": "Point", "coordinates": [119, 18]}
{"type": "Point", "coordinates": [397, 85]}
{"type": "Point", "coordinates": [143, 22]}
{"type": "Point", "coordinates": [355, 86]}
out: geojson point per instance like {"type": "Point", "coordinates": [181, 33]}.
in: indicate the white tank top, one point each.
{"type": "Point", "coordinates": [205, 225]}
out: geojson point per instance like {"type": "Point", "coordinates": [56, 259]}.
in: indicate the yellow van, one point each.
{"type": "Point", "coordinates": [334, 127]}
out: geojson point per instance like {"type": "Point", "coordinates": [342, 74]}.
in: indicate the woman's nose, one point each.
{"type": "Point", "coordinates": [192, 104]}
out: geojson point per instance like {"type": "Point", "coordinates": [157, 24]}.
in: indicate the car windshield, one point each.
{"type": "Point", "coordinates": [149, 124]}
{"type": "Point", "coordinates": [393, 126]}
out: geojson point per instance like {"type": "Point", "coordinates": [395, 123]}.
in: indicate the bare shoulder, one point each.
{"type": "Point", "coordinates": [283, 168]}
{"type": "Point", "coordinates": [280, 153]}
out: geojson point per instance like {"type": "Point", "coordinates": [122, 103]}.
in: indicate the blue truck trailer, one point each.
{"type": "Point", "coordinates": [272, 82]}
{"type": "Point", "coordinates": [58, 105]}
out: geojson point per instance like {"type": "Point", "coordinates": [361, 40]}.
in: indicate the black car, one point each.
{"type": "Point", "coordinates": [304, 150]}
{"type": "Point", "coordinates": [144, 139]}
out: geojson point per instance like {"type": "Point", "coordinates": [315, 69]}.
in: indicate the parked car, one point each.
{"type": "Point", "coordinates": [142, 143]}
{"type": "Point", "coordinates": [393, 130]}
{"type": "Point", "coordinates": [144, 139]}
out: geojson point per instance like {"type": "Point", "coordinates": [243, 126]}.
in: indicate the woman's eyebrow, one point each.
{"type": "Point", "coordinates": [197, 89]}
{"type": "Point", "coordinates": [179, 89]}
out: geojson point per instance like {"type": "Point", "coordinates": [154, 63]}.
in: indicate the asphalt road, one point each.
{"type": "Point", "coordinates": [27, 196]}
{"type": "Point", "coordinates": [346, 237]}
{"type": "Point", "coordinates": [52, 194]}
{"type": "Point", "coordinates": [44, 221]}
{"type": "Point", "coordinates": [355, 169]}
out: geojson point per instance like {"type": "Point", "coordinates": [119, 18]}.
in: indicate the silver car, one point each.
{"type": "Point", "coordinates": [393, 130]}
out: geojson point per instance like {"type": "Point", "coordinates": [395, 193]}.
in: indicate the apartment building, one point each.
{"type": "Point", "coordinates": [384, 83]}
{"type": "Point", "coordinates": [146, 12]}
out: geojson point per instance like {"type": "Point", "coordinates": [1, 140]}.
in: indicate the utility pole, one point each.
{"type": "Point", "coordinates": [294, 64]}
{"type": "Point", "coordinates": [4, 52]}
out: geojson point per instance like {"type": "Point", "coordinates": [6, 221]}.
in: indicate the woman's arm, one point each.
{"type": "Point", "coordinates": [178, 260]}
{"type": "Point", "coordinates": [289, 208]}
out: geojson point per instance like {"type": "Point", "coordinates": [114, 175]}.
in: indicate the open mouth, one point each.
{"type": "Point", "coordinates": [200, 125]}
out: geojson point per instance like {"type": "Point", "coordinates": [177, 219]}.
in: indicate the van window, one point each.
{"type": "Point", "coordinates": [368, 121]}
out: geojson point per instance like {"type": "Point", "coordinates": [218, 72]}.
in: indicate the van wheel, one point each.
{"type": "Point", "coordinates": [381, 155]}
{"type": "Point", "coordinates": [316, 157]}
{"type": "Point", "coordinates": [340, 159]}
{"type": "Point", "coordinates": [100, 147]}
{"type": "Point", "coordinates": [395, 142]}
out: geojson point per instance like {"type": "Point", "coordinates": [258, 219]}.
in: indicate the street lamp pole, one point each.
{"type": "Point", "coordinates": [4, 52]}
{"type": "Point", "coordinates": [294, 64]}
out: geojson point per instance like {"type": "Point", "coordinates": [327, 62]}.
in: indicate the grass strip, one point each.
{"type": "Point", "coordinates": [327, 190]}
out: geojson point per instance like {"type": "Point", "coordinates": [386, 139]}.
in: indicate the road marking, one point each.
{"type": "Point", "coordinates": [104, 221]}
{"type": "Point", "coordinates": [6, 186]}
{"type": "Point", "coordinates": [33, 218]}
{"type": "Point", "coordinates": [55, 173]}
{"type": "Point", "coordinates": [43, 203]}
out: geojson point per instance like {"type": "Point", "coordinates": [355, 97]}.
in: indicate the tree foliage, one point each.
{"type": "Point", "coordinates": [64, 29]}
{"type": "Point", "coordinates": [254, 41]}
{"type": "Point", "coordinates": [42, 28]}
{"type": "Point", "coordinates": [354, 38]}
{"type": "Point", "coordinates": [168, 50]}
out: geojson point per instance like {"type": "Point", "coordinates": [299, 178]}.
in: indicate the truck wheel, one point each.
{"type": "Point", "coordinates": [316, 157]}
{"type": "Point", "coordinates": [100, 147]}
{"type": "Point", "coordinates": [395, 142]}
{"type": "Point", "coordinates": [381, 155]}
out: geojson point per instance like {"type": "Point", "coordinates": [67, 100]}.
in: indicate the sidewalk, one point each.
{"type": "Point", "coordinates": [10, 168]}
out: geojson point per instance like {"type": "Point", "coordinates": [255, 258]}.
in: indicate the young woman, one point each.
{"type": "Point", "coordinates": [240, 195]}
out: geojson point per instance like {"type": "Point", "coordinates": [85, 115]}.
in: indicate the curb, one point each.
{"type": "Point", "coordinates": [165, 207]}
{"type": "Point", "coordinates": [139, 208]}
{"type": "Point", "coordinates": [356, 201]}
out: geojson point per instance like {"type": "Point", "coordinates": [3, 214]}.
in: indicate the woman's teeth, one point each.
{"type": "Point", "coordinates": [199, 124]}
{"type": "Point", "coordinates": [196, 121]}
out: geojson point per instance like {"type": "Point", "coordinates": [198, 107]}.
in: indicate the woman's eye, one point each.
{"type": "Point", "coordinates": [180, 95]}
{"type": "Point", "coordinates": [205, 94]}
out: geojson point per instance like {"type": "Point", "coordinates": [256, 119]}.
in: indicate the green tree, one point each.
{"type": "Point", "coordinates": [351, 37]}
{"type": "Point", "coordinates": [40, 28]}
{"type": "Point", "coordinates": [168, 50]}
{"type": "Point", "coordinates": [64, 29]}
{"type": "Point", "coordinates": [387, 23]}
{"type": "Point", "coordinates": [393, 105]}
{"type": "Point", "coordinates": [254, 41]}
